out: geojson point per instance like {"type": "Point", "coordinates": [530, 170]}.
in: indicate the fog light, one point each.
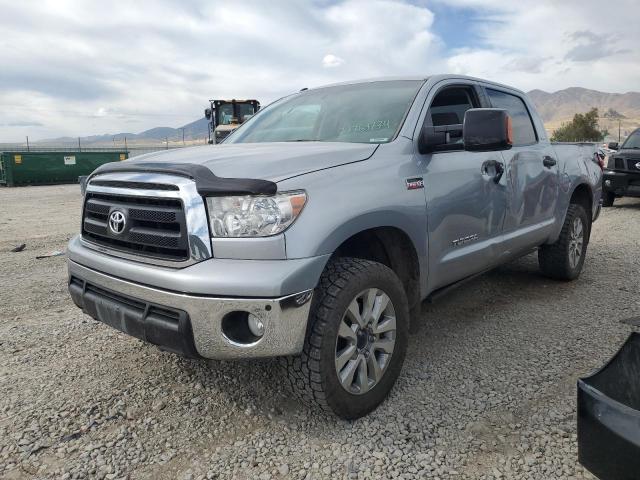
{"type": "Point", "coordinates": [255, 325]}
{"type": "Point", "coordinates": [607, 183]}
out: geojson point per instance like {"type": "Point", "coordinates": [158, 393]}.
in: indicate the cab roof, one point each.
{"type": "Point", "coordinates": [420, 78]}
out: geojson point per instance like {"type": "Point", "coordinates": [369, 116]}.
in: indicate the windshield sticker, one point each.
{"type": "Point", "coordinates": [366, 127]}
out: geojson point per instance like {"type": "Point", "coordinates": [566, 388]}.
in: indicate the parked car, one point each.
{"type": "Point", "coordinates": [315, 231]}
{"type": "Point", "coordinates": [622, 175]}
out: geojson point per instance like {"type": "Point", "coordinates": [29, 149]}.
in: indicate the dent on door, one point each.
{"type": "Point", "coordinates": [532, 192]}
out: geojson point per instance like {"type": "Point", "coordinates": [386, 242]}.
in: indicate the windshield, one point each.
{"type": "Point", "coordinates": [225, 114]}
{"type": "Point", "coordinates": [632, 141]}
{"type": "Point", "coordinates": [360, 113]}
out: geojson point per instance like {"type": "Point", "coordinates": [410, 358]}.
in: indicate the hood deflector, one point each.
{"type": "Point", "coordinates": [206, 182]}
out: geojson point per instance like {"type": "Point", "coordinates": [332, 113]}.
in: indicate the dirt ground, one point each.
{"type": "Point", "coordinates": [487, 391]}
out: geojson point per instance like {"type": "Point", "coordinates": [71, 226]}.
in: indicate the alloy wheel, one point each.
{"type": "Point", "coordinates": [366, 340]}
{"type": "Point", "coordinates": [576, 241]}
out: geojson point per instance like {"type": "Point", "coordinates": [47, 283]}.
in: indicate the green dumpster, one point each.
{"type": "Point", "coordinates": [43, 168]}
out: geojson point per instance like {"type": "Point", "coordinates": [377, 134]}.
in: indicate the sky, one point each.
{"type": "Point", "coordinates": [84, 67]}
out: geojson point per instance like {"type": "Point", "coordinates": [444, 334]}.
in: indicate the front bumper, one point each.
{"type": "Point", "coordinates": [199, 317]}
{"type": "Point", "coordinates": [621, 183]}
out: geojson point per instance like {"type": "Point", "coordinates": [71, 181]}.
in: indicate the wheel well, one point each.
{"type": "Point", "coordinates": [391, 247]}
{"type": "Point", "coordinates": [582, 196]}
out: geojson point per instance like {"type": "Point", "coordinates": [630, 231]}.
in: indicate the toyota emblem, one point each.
{"type": "Point", "coordinates": [117, 222]}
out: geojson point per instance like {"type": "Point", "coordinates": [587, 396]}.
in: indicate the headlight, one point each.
{"type": "Point", "coordinates": [254, 216]}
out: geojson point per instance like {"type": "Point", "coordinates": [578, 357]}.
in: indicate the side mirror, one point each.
{"type": "Point", "coordinates": [612, 146]}
{"type": "Point", "coordinates": [430, 140]}
{"type": "Point", "coordinates": [207, 113]}
{"type": "Point", "coordinates": [487, 129]}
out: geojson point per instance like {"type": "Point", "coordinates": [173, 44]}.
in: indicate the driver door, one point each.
{"type": "Point", "coordinates": [466, 196]}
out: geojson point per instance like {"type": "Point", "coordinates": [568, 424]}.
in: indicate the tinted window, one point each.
{"type": "Point", "coordinates": [448, 108]}
{"type": "Point", "coordinates": [523, 131]}
{"type": "Point", "coordinates": [363, 113]}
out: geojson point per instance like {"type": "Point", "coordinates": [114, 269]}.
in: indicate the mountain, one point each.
{"type": "Point", "coordinates": [558, 107]}
{"type": "Point", "coordinates": [194, 132]}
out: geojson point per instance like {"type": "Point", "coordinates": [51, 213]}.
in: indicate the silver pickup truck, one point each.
{"type": "Point", "coordinates": [315, 231]}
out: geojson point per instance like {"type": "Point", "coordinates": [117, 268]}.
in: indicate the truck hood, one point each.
{"type": "Point", "coordinates": [268, 161]}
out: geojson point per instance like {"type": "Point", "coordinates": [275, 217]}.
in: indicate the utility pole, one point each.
{"type": "Point", "coordinates": [125, 145]}
{"type": "Point", "coordinates": [79, 147]}
{"type": "Point", "coordinates": [619, 121]}
{"type": "Point", "coordinates": [166, 139]}
{"type": "Point", "coordinates": [27, 143]}
{"type": "Point", "coordinates": [182, 136]}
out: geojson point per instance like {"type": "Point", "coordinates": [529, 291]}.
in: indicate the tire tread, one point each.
{"type": "Point", "coordinates": [552, 259]}
{"type": "Point", "coordinates": [303, 372]}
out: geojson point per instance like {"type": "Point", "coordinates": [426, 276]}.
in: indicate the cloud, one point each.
{"type": "Point", "coordinates": [591, 46]}
{"type": "Point", "coordinates": [553, 45]}
{"type": "Point", "coordinates": [330, 61]}
{"type": "Point", "coordinates": [23, 124]}
{"type": "Point", "coordinates": [79, 67]}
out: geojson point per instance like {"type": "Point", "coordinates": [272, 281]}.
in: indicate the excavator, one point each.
{"type": "Point", "coordinates": [225, 116]}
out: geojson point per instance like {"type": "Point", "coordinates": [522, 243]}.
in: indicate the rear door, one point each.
{"type": "Point", "coordinates": [466, 201]}
{"type": "Point", "coordinates": [531, 177]}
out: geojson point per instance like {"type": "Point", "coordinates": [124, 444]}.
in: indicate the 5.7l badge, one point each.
{"type": "Point", "coordinates": [414, 183]}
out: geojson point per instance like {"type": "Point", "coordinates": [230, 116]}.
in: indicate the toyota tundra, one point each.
{"type": "Point", "coordinates": [315, 230]}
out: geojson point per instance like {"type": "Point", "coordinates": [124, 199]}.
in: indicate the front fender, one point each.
{"type": "Point", "coordinates": [408, 224]}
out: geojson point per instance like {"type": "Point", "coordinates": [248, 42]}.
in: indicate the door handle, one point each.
{"type": "Point", "coordinates": [548, 161]}
{"type": "Point", "coordinates": [493, 168]}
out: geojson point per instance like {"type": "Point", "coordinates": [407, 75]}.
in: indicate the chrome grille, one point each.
{"type": "Point", "coordinates": [155, 227]}
{"type": "Point", "coordinates": [166, 219]}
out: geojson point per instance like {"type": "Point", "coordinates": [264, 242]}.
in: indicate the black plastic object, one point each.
{"type": "Point", "coordinates": [206, 182]}
{"type": "Point", "coordinates": [486, 129]}
{"type": "Point", "coordinates": [168, 328]}
{"type": "Point", "coordinates": [609, 416]}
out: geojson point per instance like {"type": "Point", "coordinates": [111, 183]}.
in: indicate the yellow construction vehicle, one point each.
{"type": "Point", "coordinates": [226, 115]}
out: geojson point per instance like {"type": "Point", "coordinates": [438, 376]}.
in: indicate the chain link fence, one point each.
{"type": "Point", "coordinates": [133, 151]}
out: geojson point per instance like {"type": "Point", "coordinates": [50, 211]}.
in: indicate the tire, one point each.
{"type": "Point", "coordinates": [563, 260]}
{"type": "Point", "coordinates": [608, 198]}
{"type": "Point", "coordinates": [346, 288]}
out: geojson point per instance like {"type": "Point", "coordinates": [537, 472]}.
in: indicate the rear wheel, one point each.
{"type": "Point", "coordinates": [608, 198]}
{"type": "Point", "coordinates": [564, 259]}
{"type": "Point", "coordinates": [357, 339]}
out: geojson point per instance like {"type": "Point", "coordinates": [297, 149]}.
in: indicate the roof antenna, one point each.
{"type": "Point", "coordinates": [303, 89]}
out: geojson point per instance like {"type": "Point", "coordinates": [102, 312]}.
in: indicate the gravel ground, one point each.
{"type": "Point", "coordinates": [487, 391]}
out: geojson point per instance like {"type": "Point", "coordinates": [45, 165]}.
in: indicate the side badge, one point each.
{"type": "Point", "coordinates": [414, 183]}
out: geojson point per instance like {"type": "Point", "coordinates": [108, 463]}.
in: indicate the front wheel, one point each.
{"type": "Point", "coordinates": [357, 339]}
{"type": "Point", "coordinates": [563, 260]}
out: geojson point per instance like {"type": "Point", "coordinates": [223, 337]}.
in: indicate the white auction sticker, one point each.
{"type": "Point", "coordinates": [69, 160]}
